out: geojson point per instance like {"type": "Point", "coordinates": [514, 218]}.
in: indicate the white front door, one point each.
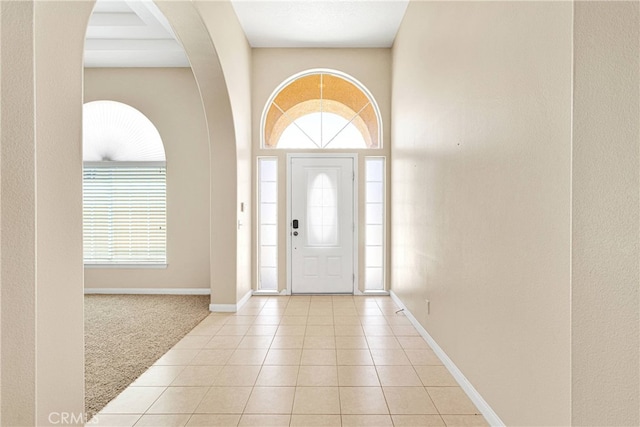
{"type": "Point", "coordinates": [322, 224]}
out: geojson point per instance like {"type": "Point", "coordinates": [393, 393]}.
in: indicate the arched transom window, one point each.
{"type": "Point", "coordinates": [321, 109]}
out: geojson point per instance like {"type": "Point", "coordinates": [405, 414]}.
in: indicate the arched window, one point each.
{"type": "Point", "coordinates": [321, 109]}
{"type": "Point", "coordinates": [124, 187]}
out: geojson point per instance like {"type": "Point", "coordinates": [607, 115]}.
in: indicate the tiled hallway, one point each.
{"type": "Point", "coordinates": [297, 361]}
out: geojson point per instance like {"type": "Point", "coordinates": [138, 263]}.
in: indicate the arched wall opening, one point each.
{"type": "Point", "coordinates": [170, 98]}
{"type": "Point", "coordinates": [42, 279]}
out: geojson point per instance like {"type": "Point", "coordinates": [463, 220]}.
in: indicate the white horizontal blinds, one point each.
{"type": "Point", "coordinates": [125, 213]}
{"type": "Point", "coordinates": [268, 223]}
{"type": "Point", "coordinates": [375, 224]}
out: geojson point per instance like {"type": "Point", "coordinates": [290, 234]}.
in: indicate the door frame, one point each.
{"type": "Point", "coordinates": [356, 241]}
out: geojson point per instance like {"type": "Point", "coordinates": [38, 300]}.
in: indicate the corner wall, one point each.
{"type": "Point", "coordinates": [234, 53]}
{"type": "Point", "coordinates": [42, 361]}
{"type": "Point", "coordinates": [189, 25]}
{"type": "Point", "coordinates": [606, 239]}
{"type": "Point", "coordinates": [481, 204]}
{"type": "Point", "coordinates": [169, 97]}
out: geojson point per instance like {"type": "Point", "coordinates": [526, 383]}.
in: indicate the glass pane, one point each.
{"type": "Point", "coordinates": [374, 256]}
{"type": "Point", "coordinates": [310, 126]}
{"type": "Point", "coordinates": [268, 220]}
{"type": "Point", "coordinates": [268, 192]}
{"type": "Point", "coordinates": [375, 170]}
{"type": "Point", "coordinates": [268, 213]}
{"type": "Point", "coordinates": [293, 137]}
{"type": "Point", "coordinates": [338, 89]}
{"type": "Point", "coordinates": [370, 118]}
{"type": "Point", "coordinates": [268, 235]}
{"type": "Point", "coordinates": [322, 208]}
{"type": "Point", "coordinates": [374, 213]}
{"type": "Point", "coordinates": [374, 279]}
{"type": "Point", "coordinates": [338, 132]}
{"type": "Point", "coordinates": [275, 122]}
{"type": "Point", "coordinates": [269, 278]}
{"type": "Point", "coordinates": [113, 131]}
{"type": "Point", "coordinates": [268, 169]}
{"type": "Point", "coordinates": [375, 192]}
{"type": "Point", "coordinates": [349, 137]}
{"type": "Point", "coordinates": [299, 90]}
{"type": "Point", "coordinates": [374, 235]}
{"type": "Point", "coordinates": [268, 256]}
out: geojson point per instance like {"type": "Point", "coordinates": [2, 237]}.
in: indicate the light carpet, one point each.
{"type": "Point", "coordinates": [125, 334]}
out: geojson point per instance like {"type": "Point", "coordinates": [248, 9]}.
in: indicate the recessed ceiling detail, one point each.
{"type": "Point", "coordinates": [320, 23]}
{"type": "Point", "coordinates": [131, 34]}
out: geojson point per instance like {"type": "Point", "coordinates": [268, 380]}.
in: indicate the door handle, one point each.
{"type": "Point", "coordinates": [295, 233]}
{"type": "Point", "coordinates": [295, 224]}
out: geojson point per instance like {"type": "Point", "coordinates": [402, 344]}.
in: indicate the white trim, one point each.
{"type": "Point", "coordinates": [376, 292]}
{"type": "Point", "coordinates": [244, 300]}
{"type": "Point", "coordinates": [231, 308]}
{"type": "Point", "coordinates": [125, 266]}
{"type": "Point", "coordinates": [124, 164]}
{"type": "Point", "coordinates": [261, 292]}
{"type": "Point", "coordinates": [148, 291]}
{"type": "Point", "coordinates": [482, 405]}
{"type": "Point", "coordinates": [223, 308]}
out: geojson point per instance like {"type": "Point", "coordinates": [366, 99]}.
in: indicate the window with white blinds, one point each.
{"type": "Point", "coordinates": [125, 213]}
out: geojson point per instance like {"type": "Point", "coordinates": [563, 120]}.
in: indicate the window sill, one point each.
{"type": "Point", "coordinates": [126, 266]}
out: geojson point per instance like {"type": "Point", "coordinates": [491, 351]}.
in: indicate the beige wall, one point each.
{"type": "Point", "coordinates": [18, 216]}
{"type": "Point", "coordinates": [271, 67]}
{"type": "Point", "coordinates": [234, 53]}
{"type": "Point", "coordinates": [1, 118]}
{"type": "Point", "coordinates": [481, 144]}
{"type": "Point", "coordinates": [42, 317]}
{"type": "Point", "coordinates": [169, 97]}
{"type": "Point", "coordinates": [605, 256]}
{"type": "Point", "coordinates": [201, 38]}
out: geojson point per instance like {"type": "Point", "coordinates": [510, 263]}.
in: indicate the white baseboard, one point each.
{"type": "Point", "coordinates": [230, 308]}
{"type": "Point", "coordinates": [266, 293]}
{"type": "Point", "coordinates": [223, 308]}
{"type": "Point", "coordinates": [375, 293]}
{"type": "Point", "coordinates": [148, 291]}
{"type": "Point", "coordinates": [482, 405]}
{"type": "Point", "coordinates": [243, 300]}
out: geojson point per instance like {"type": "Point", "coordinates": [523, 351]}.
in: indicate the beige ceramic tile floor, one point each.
{"type": "Point", "coordinates": [297, 361]}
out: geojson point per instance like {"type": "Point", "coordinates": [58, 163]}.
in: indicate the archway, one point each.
{"type": "Point", "coordinates": [42, 280]}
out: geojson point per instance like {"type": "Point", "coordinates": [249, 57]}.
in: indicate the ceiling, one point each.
{"type": "Point", "coordinates": [131, 34]}
{"type": "Point", "coordinates": [320, 23]}
{"type": "Point", "coordinates": [134, 33]}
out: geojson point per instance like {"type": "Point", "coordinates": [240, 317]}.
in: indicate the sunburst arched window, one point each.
{"type": "Point", "coordinates": [124, 187]}
{"type": "Point", "coordinates": [321, 109]}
